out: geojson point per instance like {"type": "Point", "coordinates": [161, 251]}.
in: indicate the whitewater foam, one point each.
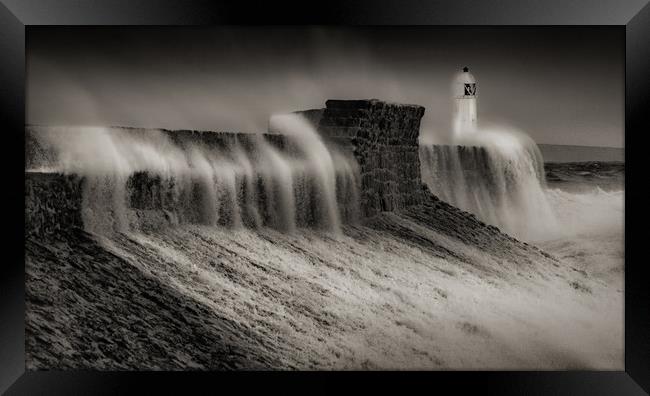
{"type": "Point", "coordinates": [398, 306]}
{"type": "Point", "coordinates": [591, 236]}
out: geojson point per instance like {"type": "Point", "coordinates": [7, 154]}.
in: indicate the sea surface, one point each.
{"type": "Point", "coordinates": [566, 153]}
{"type": "Point", "coordinates": [588, 199]}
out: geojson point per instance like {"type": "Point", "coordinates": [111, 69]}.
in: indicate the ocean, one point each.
{"type": "Point", "coordinates": [568, 153]}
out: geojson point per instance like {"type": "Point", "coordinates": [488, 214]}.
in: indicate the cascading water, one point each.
{"type": "Point", "coordinates": [136, 178]}
{"type": "Point", "coordinates": [496, 175]}
{"type": "Point", "coordinates": [318, 164]}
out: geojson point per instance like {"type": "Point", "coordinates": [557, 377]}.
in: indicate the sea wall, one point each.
{"type": "Point", "coordinates": [54, 202]}
{"type": "Point", "coordinates": [384, 140]}
{"type": "Point", "coordinates": [380, 138]}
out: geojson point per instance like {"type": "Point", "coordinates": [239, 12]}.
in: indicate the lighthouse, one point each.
{"type": "Point", "coordinates": [464, 91]}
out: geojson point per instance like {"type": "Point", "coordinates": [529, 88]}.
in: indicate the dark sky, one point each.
{"type": "Point", "coordinates": [560, 85]}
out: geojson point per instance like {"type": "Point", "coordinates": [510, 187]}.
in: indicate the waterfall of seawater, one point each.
{"type": "Point", "coordinates": [498, 175]}
{"type": "Point", "coordinates": [136, 178]}
{"type": "Point", "coordinates": [319, 164]}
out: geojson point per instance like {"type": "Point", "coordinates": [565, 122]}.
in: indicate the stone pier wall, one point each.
{"type": "Point", "coordinates": [384, 140]}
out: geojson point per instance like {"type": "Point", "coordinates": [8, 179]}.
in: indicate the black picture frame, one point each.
{"type": "Point", "coordinates": [17, 15]}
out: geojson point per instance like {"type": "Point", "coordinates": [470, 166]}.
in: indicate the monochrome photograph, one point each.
{"type": "Point", "coordinates": [324, 198]}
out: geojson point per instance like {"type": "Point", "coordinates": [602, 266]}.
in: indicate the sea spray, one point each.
{"type": "Point", "coordinates": [496, 174]}
{"type": "Point", "coordinates": [228, 190]}
{"type": "Point", "coordinates": [319, 164]}
{"type": "Point", "coordinates": [348, 180]}
{"type": "Point", "coordinates": [142, 177]}
{"type": "Point", "coordinates": [247, 194]}
{"type": "Point", "coordinates": [277, 180]}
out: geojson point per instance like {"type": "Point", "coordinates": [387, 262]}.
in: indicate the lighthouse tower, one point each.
{"type": "Point", "coordinates": [464, 91]}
